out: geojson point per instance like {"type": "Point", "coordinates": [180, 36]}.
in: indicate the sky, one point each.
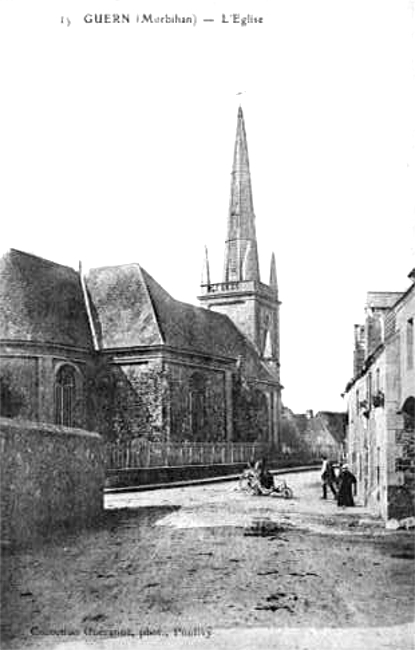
{"type": "Point", "coordinates": [117, 145]}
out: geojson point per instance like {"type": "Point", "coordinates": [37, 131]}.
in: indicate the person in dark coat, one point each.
{"type": "Point", "coordinates": [264, 475]}
{"type": "Point", "coordinates": [347, 488]}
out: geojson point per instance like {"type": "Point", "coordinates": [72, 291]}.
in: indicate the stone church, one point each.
{"type": "Point", "coordinates": [113, 352]}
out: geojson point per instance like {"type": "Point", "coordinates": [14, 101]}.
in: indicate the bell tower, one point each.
{"type": "Point", "coordinates": [252, 305]}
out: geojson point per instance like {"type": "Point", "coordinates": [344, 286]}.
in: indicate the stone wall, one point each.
{"type": "Point", "coordinates": [159, 400]}
{"type": "Point", "coordinates": [28, 378]}
{"type": "Point", "coordinates": [197, 403]}
{"type": "Point", "coordinates": [242, 312]}
{"type": "Point", "coordinates": [128, 401]}
{"type": "Point", "coordinates": [401, 499]}
{"type": "Point", "coordinates": [251, 412]}
{"type": "Point", "coordinates": [19, 387]}
{"type": "Point", "coordinates": [51, 478]}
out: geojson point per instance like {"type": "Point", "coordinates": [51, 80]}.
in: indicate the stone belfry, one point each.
{"type": "Point", "coordinates": [252, 305]}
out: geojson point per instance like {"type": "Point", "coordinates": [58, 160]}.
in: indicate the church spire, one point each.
{"type": "Point", "coordinates": [241, 255]}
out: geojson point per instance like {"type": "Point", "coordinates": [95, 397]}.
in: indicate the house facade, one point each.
{"type": "Point", "coordinates": [381, 400]}
{"type": "Point", "coordinates": [115, 353]}
{"type": "Point", "coordinates": [313, 435]}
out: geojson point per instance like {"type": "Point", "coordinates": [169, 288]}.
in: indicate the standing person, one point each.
{"type": "Point", "coordinates": [347, 488]}
{"type": "Point", "coordinates": [328, 477]}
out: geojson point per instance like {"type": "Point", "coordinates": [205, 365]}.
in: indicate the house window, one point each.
{"type": "Point", "coordinates": [410, 343]}
{"type": "Point", "coordinates": [65, 396]}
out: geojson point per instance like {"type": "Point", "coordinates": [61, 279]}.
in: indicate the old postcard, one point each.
{"type": "Point", "coordinates": [207, 303]}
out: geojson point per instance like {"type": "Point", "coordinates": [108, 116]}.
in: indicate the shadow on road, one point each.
{"type": "Point", "coordinates": [112, 521]}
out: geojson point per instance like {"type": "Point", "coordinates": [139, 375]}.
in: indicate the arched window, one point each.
{"type": "Point", "coordinates": [65, 396]}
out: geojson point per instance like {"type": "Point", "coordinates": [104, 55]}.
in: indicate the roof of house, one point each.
{"type": "Point", "coordinates": [382, 299]}
{"type": "Point", "coordinates": [131, 309]}
{"type": "Point", "coordinates": [327, 425]}
{"type": "Point", "coordinates": [41, 302]}
{"type": "Point", "coordinates": [335, 422]}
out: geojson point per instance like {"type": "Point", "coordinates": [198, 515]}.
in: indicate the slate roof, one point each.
{"type": "Point", "coordinates": [325, 424]}
{"type": "Point", "coordinates": [41, 301]}
{"type": "Point", "coordinates": [382, 299]}
{"type": "Point", "coordinates": [336, 423]}
{"type": "Point", "coordinates": [122, 310]}
{"type": "Point", "coordinates": [131, 309]}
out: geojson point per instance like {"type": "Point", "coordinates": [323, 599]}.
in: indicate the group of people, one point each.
{"type": "Point", "coordinates": [343, 486]}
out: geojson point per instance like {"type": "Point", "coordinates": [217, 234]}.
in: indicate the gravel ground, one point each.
{"type": "Point", "coordinates": [210, 567]}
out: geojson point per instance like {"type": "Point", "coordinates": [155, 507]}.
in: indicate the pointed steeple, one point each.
{"type": "Point", "coordinates": [241, 234]}
{"type": "Point", "coordinates": [205, 270]}
{"type": "Point", "coordinates": [273, 283]}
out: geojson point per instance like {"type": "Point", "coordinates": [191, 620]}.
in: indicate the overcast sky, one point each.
{"type": "Point", "coordinates": [117, 144]}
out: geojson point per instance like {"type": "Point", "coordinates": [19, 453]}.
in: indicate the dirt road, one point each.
{"type": "Point", "coordinates": [210, 567]}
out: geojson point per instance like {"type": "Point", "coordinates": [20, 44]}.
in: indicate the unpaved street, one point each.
{"type": "Point", "coordinates": [209, 566]}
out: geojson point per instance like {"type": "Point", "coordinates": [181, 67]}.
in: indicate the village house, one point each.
{"type": "Point", "coordinates": [113, 352]}
{"type": "Point", "coordinates": [381, 404]}
{"type": "Point", "coordinates": [313, 435]}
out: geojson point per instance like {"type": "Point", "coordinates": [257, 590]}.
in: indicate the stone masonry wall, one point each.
{"type": "Point", "coordinates": [197, 404]}
{"type": "Point", "coordinates": [128, 401]}
{"type": "Point", "coordinates": [19, 387]}
{"type": "Point", "coordinates": [401, 498]}
{"type": "Point", "coordinates": [51, 478]}
{"type": "Point", "coordinates": [242, 312]}
{"type": "Point", "coordinates": [251, 412]}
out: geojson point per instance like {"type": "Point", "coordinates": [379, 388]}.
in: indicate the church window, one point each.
{"type": "Point", "coordinates": [65, 396]}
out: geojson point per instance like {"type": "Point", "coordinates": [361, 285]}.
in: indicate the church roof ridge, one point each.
{"type": "Point", "coordinates": [160, 328]}
{"type": "Point", "coordinates": [39, 258]}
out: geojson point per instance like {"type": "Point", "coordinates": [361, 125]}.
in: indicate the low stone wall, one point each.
{"type": "Point", "coordinates": [123, 478]}
{"type": "Point", "coordinates": [52, 478]}
{"type": "Point", "coordinates": [136, 477]}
